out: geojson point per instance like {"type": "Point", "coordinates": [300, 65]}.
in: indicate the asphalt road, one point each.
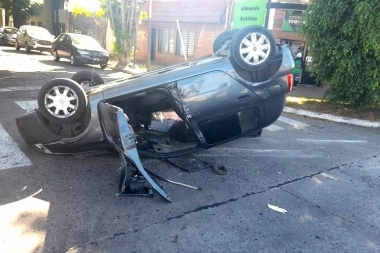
{"type": "Point", "coordinates": [325, 175]}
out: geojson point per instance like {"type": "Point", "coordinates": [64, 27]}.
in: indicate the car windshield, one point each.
{"type": "Point", "coordinates": [10, 30]}
{"type": "Point", "coordinates": [84, 40]}
{"type": "Point", "coordinates": [38, 31]}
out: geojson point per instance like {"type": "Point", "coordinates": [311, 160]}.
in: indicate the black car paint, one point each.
{"type": "Point", "coordinates": [264, 100]}
{"type": "Point", "coordinates": [64, 48]}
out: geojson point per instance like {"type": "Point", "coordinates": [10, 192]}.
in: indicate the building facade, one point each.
{"type": "Point", "coordinates": [180, 30]}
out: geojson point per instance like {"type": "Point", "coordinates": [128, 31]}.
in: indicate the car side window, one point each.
{"type": "Point", "coordinates": [62, 38]}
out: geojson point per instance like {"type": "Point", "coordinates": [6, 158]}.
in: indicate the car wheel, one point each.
{"type": "Point", "coordinates": [17, 46]}
{"type": "Point", "coordinates": [103, 66]}
{"type": "Point", "coordinates": [56, 57]}
{"type": "Point", "coordinates": [73, 60]}
{"type": "Point", "coordinates": [87, 79]}
{"type": "Point", "coordinates": [223, 39]}
{"type": "Point", "coordinates": [27, 48]}
{"type": "Point", "coordinates": [62, 101]}
{"type": "Point", "coordinates": [2, 41]}
{"type": "Point", "coordinates": [252, 48]}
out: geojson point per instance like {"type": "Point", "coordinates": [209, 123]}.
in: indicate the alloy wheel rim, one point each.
{"type": "Point", "coordinates": [254, 49]}
{"type": "Point", "coordinates": [61, 101]}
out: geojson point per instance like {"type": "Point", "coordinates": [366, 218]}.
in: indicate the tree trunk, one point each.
{"type": "Point", "coordinates": [19, 17]}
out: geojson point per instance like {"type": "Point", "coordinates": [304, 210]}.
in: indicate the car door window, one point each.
{"type": "Point", "coordinates": [62, 38]}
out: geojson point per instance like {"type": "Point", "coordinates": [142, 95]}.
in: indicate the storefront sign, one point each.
{"type": "Point", "coordinates": [292, 20]}
{"type": "Point", "coordinates": [249, 12]}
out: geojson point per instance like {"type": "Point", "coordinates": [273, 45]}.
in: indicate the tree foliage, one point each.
{"type": "Point", "coordinates": [343, 37]}
{"type": "Point", "coordinates": [20, 10]}
{"type": "Point", "coordinates": [124, 16]}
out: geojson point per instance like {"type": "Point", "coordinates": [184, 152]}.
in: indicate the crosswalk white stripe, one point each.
{"type": "Point", "coordinates": [22, 88]}
{"type": "Point", "coordinates": [28, 106]}
{"type": "Point", "coordinates": [273, 128]}
{"type": "Point", "coordinates": [10, 154]}
{"type": "Point", "coordinates": [292, 122]}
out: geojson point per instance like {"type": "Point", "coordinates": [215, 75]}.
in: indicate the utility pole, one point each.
{"type": "Point", "coordinates": [149, 34]}
{"type": "Point", "coordinates": [67, 16]}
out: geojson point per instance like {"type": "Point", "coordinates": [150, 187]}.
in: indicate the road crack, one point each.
{"type": "Point", "coordinates": [231, 200]}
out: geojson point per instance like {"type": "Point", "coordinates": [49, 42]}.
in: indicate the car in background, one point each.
{"type": "Point", "coordinates": [80, 49]}
{"type": "Point", "coordinates": [34, 38]}
{"type": "Point", "coordinates": [8, 35]}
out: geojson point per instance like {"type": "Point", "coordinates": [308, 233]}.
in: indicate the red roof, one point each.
{"type": "Point", "coordinates": [193, 11]}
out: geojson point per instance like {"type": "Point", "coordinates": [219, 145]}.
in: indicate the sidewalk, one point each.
{"type": "Point", "coordinates": [313, 91]}
{"type": "Point", "coordinates": [309, 91]}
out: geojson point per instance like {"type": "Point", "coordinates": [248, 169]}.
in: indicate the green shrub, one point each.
{"type": "Point", "coordinates": [344, 38]}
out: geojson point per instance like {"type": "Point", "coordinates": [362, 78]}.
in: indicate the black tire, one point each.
{"type": "Point", "coordinates": [27, 48]}
{"type": "Point", "coordinates": [55, 55]}
{"type": "Point", "coordinates": [222, 39]}
{"type": "Point", "coordinates": [87, 79]}
{"type": "Point", "coordinates": [103, 66]}
{"type": "Point", "coordinates": [74, 101]}
{"type": "Point", "coordinates": [2, 41]}
{"type": "Point", "coordinates": [73, 60]}
{"type": "Point", "coordinates": [261, 53]}
{"type": "Point", "coordinates": [17, 47]}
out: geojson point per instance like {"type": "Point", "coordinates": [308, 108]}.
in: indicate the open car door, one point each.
{"type": "Point", "coordinates": [120, 135]}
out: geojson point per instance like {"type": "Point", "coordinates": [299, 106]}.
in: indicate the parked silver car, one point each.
{"type": "Point", "coordinates": [8, 35]}
{"type": "Point", "coordinates": [34, 38]}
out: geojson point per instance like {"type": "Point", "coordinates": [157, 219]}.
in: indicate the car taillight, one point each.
{"type": "Point", "coordinates": [289, 79]}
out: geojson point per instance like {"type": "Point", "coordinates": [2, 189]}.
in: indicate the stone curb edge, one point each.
{"type": "Point", "coordinates": [333, 118]}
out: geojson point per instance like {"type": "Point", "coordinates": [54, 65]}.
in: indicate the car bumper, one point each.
{"type": "Point", "coordinates": [92, 60]}
{"type": "Point", "coordinates": [40, 47]}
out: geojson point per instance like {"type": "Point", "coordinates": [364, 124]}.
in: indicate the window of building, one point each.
{"type": "Point", "coordinates": [188, 38]}
{"type": "Point", "coordinates": [33, 23]}
{"type": "Point", "coordinates": [166, 41]}
{"type": "Point", "coordinates": [40, 24]}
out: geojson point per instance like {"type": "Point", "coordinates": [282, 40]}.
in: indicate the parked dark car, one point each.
{"type": "Point", "coordinates": [8, 35]}
{"type": "Point", "coordinates": [80, 49]}
{"type": "Point", "coordinates": [34, 38]}
{"type": "Point", "coordinates": [168, 112]}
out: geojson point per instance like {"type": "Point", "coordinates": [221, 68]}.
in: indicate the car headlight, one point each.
{"type": "Point", "coordinates": [33, 39]}
{"type": "Point", "coordinates": [82, 52]}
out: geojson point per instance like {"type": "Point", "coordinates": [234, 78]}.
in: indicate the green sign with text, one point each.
{"type": "Point", "coordinates": [249, 12]}
{"type": "Point", "coordinates": [292, 20]}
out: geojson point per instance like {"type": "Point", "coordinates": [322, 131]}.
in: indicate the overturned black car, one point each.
{"type": "Point", "coordinates": [238, 90]}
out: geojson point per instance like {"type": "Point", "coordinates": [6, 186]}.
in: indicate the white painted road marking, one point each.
{"type": "Point", "coordinates": [10, 154]}
{"type": "Point", "coordinates": [292, 122]}
{"type": "Point", "coordinates": [273, 128]}
{"type": "Point", "coordinates": [26, 88]}
{"type": "Point", "coordinates": [28, 106]}
{"type": "Point", "coordinates": [330, 141]}
{"type": "Point", "coordinates": [246, 152]}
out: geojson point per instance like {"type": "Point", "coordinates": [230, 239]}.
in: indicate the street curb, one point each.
{"type": "Point", "coordinates": [333, 118]}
